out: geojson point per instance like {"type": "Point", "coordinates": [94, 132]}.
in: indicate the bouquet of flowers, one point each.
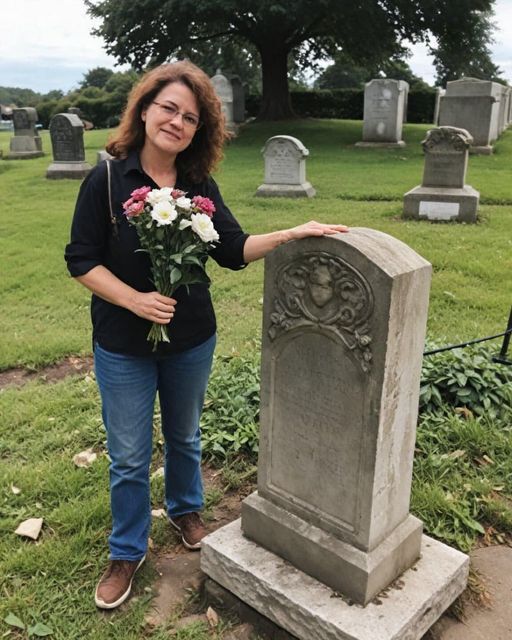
{"type": "Point", "coordinates": [176, 232]}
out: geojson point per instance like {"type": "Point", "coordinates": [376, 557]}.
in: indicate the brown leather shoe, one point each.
{"type": "Point", "coordinates": [116, 583]}
{"type": "Point", "coordinates": [191, 528]}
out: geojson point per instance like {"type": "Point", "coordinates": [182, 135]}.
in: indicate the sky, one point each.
{"type": "Point", "coordinates": [48, 45]}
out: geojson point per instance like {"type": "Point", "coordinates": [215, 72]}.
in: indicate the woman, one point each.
{"type": "Point", "coordinates": [171, 134]}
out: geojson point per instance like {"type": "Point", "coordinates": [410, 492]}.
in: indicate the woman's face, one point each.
{"type": "Point", "coordinates": [170, 119]}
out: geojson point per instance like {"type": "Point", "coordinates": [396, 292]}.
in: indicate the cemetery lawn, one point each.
{"type": "Point", "coordinates": [463, 472]}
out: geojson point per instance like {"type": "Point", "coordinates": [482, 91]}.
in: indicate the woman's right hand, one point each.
{"type": "Point", "coordinates": [153, 306]}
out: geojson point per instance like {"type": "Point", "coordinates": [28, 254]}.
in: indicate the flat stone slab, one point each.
{"type": "Point", "coordinates": [308, 609]}
{"type": "Point", "coordinates": [381, 145]}
{"type": "Point", "coordinates": [304, 190]}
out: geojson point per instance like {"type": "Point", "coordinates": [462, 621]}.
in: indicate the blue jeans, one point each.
{"type": "Point", "coordinates": [128, 386]}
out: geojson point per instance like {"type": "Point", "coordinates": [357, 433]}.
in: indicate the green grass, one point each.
{"type": "Point", "coordinates": [46, 316]}
{"type": "Point", "coordinates": [47, 312]}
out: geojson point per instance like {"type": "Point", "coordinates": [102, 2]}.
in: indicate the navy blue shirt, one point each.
{"type": "Point", "coordinates": [97, 240]}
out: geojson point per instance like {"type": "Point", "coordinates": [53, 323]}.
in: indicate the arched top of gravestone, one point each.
{"type": "Point", "coordinates": [277, 145]}
{"type": "Point", "coordinates": [447, 140]}
{"type": "Point", "coordinates": [65, 120]}
{"type": "Point", "coordinates": [384, 82]}
{"type": "Point", "coordinates": [391, 256]}
{"type": "Point", "coordinates": [24, 118]}
{"type": "Point", "coordinates": [222, 87]}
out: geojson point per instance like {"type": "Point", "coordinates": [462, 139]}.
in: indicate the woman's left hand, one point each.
{"type": "Point", "coordinates": [313, 228]}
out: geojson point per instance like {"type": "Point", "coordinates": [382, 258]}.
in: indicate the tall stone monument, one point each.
{"type": "Point", "coordinates": [343, 333]}
{"type": "Point", "coordinates": [224, 90]}
{"type": "Point", "coordinates": [473, 105]}
{"type": "Point", "coordinates": [26, 142]}
{"type": "Point", "coordinates": [384, 106]}
{"type": "Point", "coordinates": [67, 135]}
{"type": "Point", "coordinates": [443, 193]}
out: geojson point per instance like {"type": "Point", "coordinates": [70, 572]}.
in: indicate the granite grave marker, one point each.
{"type": "Point", "coordinates": [443, 194]}
{"type": "Point", "coordinates": [26, 142]}
{"type": "Point", "coordinates": [384, 106]}
{"type": "Point", "coordinates": [343, 335]}
{"type": "Point", "coordinates": [285, 168]}
{"type": "Point", "coordinates": [67, 135]}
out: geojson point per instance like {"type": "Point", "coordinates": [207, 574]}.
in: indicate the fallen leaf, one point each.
{"type": "Point", "coordinates": [84, 458]}
{"type": "Point", "coordinates": [30, 528]}
{"type": "Point", "coordinates": [458, 453]}
{"type": "Point", "coordinates": [14, 621]}
{"type": "Point", "coordinates": [487, 459]}
{"type": "Point", "coordinates": [40, 630]}
{"type": "Point", "coordinates": [15, 490]}
{"type": "Point", "coordinates": [158, 513]}
{"type": "Point", "coordinates": [212, 617]}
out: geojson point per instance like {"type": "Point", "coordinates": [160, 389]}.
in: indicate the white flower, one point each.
{"type": "Point", "coordinates": [203, 226]}
{"type": "Point", "coordinates": [164, 213]}
{"type": "Point", "coordinates": [159, 195]}
{"type": "Point", "coordinates": [184, 224]}
{"type": "Point", "coordinates": [184, 203]}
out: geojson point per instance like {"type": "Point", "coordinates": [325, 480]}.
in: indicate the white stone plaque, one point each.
{"type": "Point", "coordinates": [439, 210]}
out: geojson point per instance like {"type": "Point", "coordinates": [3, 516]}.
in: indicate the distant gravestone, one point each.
{"type": "Point", "coordinates": [344, 322]}
{"type": "Point", "coordinates": [26, 142]}
{"type": "Point", "coordinates": [285, 169]}
{"type": "Point", "coordinates": [384, 111]}
{"type": "Point", "coordinates": [67, 136]}
{"type": "Point", "coordinates": [443, 194]}
{"type": "Point", "coordinates": [473, 105]}
{"type": "Point", "coordinates": [103, 155]}
{"type": "Point", "coordinates": [224, 90]}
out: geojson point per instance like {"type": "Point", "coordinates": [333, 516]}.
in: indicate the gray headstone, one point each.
{"type": "Point", "coordinates": [26, 142]}
{"type": "Point", "coordinates": [443, 194]}
{"type": "Point", "coordinates": [285, 168]}
{"type": "Point", "coordinates": [224, 90]}
{"type": "Point", "coordinates": [67, 136]}
{"type": "Point", "coordinates": [384, 106]}
{"type": "Point", "coordinates": [473, 105]}
{"type": "Point", "coordinates": [343, 332]}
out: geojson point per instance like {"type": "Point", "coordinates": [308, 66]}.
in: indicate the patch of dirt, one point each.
{"type": "Point", "coordinates": [73, 365]}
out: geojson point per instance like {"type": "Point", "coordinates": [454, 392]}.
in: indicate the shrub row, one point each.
{"type": "Point", "coordinates": [348, 104]}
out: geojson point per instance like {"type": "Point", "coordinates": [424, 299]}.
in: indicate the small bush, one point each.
{"type": "Point", "coordinates": [466, 378]}
{"type": "Point", "coordinates": [229, 424]}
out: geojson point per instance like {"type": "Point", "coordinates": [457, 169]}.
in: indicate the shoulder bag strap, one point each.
{"type": "Point", "coordinates": [113, 218]}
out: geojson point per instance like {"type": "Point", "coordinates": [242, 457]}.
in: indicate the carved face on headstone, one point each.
{"type": "Point", "coordinates": [320, 285]}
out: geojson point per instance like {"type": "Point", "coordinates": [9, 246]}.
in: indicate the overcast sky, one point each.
{"type": "Point", "coordinates": [47, 45]}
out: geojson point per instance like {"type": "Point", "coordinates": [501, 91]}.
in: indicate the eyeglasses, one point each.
{"type": "Point", "coordinates": [189, 120]}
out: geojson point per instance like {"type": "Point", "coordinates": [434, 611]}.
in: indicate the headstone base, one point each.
{"type": "Point", "coordinates": [357, 574]}
{"type": "Point", "coordinates": [308, 609]}
{"type": "Point", "coordinates": [24, 155]}
{"type": "Point", "coordinates": [25, 147]}
{"type": "Point", "coordinates": [438, 204]}
{"type": "Point", "coordinates": [62, 170]}
{"type": "Point", "coordinates": [382, 145]}
{"type": "Point", "coordinates": [304, 190]}
{"type": "Point", "coordinates": [484, 150]}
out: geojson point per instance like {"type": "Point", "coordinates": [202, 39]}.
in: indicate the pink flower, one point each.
{"type": "Point", "coordinates": [177, 193]}
{"type": "Point", "coordinates": [140, 194]}
{"type": "Point", "coordinates": [132, 208]}
{"type": "Point", "coordinates": [205, 205]}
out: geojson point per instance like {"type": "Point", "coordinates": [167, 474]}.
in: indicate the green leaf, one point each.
{"type": "Point", "coordinates": [175, 275]}
{"type": "Point", "coordinates": [40, 630]}
{"type": "Point", "coordinates": [14, 621]}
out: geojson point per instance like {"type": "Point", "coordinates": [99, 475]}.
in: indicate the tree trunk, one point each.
{"type": "Point", "coordinates": [275, 103]}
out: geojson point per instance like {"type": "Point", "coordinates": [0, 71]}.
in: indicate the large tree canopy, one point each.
{"type": "Point", "coordinates": [144, 31]}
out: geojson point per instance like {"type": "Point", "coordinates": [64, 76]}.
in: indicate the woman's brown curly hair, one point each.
{"type": "Point", "coordinates": [205, 151]}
